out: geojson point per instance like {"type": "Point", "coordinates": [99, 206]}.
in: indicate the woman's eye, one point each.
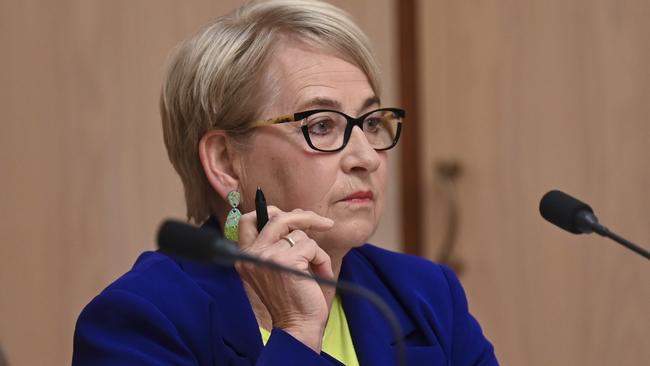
{"type": "Point", "coordinates": [322, 126]}
{"type": "Point", "coordinates": [373, 125]}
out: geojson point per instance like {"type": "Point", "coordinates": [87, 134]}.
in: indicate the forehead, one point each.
{"type": "Point", "coordinates": [304, 77]}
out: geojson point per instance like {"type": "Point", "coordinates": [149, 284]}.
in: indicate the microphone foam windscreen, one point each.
{"type": "Point", "coordinates": [561, 209]}
{"type": "Point", "coordinates": [177, 238]}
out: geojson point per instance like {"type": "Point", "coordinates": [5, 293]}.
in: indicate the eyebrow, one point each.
{"type": "Point", "coordinates": [328, 103]}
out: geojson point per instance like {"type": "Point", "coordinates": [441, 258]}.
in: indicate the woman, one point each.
{"type": "Point", "coordinates": [280, 95]}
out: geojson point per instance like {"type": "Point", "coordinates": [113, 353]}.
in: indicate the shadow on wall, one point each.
{"type": "Point", "coordinates": [3, 359]}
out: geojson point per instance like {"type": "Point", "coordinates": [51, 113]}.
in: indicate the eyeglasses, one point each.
{"type": "Point", "coordinates": [329, 131]}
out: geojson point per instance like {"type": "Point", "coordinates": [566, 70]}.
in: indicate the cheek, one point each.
{"type": "Point", "coordinates": [381, 184]}
{"type": "Point", "coordinates": [309, 182]}
{"type": "Point", "coordinates": [296, 180]}
{"type": "Point", "coordinates": [380, 176]}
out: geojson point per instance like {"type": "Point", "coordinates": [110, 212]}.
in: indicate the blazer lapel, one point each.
{"type": "Point", "coordinates": [224, 285]}
{"type": "Point", "coordinates": [374, 341]}
{"type": "Point", "coordinates": [232, 310]}
{"type": "Point", "coordinates": [372, 336]}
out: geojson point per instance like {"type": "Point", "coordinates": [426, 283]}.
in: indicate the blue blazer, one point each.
{"type": "Point", "coordinates": [170, 311]}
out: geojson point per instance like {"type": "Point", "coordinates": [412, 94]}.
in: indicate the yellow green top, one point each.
{"type": "Point", "coordinates": [337, 341]}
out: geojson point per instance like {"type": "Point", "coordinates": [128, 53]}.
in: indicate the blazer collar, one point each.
{"type": "Point", "coordinates": [372, 336]}
{"type": "Point", "coordinates": [232, 309]}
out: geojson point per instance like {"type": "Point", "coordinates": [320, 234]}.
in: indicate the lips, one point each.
{"type": "Point", "coordinates": [359, 196]}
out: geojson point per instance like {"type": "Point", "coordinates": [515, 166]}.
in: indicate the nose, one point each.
{"type": "Point", "coordinates": [358, 154]}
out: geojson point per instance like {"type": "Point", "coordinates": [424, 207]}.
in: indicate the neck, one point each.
{"type": "Point", "coordinates": [336, 257]}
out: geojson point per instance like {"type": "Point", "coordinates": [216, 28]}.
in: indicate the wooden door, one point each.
{"type": "Point", "coordinates": [528, 96]}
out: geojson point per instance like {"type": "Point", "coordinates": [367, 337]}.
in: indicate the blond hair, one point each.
{"type": "Point", "coordinates": [214, 79]}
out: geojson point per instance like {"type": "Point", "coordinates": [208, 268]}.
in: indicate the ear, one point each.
{"type": "Point", "coordinates": [217, 158]}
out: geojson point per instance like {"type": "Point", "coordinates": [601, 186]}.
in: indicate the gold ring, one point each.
{"type": "Point", "coordinates": [289, 240]}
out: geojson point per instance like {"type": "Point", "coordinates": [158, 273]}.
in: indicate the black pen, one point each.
{"type": "Point", "coordinates": [260, 209]}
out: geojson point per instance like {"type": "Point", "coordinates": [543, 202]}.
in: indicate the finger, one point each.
{"type": "Point", "coordinates": [248, 226]}
{"type": "Point", "coordinates": [321, 264]}
{"type": "Point", "coordinates": [306, 254]}
{"type": "Point", "coordinates": [278, 251]}
{"type": "Point", "coordinates": [273, 210]}
{"type": "Point", "coordinates": [290, 239]}
{"type": "Point", "coordinates": [247, 229]}
{"type": "Point", "coordinates": [298, 235]}
{"type": "Point", "coordinates": [282, 224]}
{"type": "Point", "coordinates": [295, 250]}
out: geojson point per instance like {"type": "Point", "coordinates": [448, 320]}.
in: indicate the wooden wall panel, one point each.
{"type": "Point", "coordinates": [530, 96]}
{"type": "Point", "coordinates": [85, 177]}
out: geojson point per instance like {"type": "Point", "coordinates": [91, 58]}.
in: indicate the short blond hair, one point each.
{"type": "Point", "coordinates": [213, 79]}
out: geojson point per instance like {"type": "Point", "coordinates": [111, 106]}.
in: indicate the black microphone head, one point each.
{"type": "Point", "coordinates": [181, 239]}
{"type": "Point", "coordinates": [561, 210]}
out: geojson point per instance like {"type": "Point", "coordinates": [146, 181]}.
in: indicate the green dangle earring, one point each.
{"type": "Point", "coordinates": [231, 229]}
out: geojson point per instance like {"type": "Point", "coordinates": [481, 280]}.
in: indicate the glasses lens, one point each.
{"type": "Point", "coordinates": [326, 130]}
{"type": "Point", "coordinates": [381, 127]}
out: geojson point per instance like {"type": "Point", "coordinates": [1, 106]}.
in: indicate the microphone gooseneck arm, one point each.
{"type": "Point", "coordinates": [596, 227]}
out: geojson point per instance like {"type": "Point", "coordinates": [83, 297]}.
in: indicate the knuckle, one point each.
{"type": "Point", "coordinates": [280, 219]}
{"type": "Point", "coordinates": [298, 234]}
{"type": "Point", "coordinates": [326, 258]}
{"type": "Point", "coordinates": [265, 255]}
{"type": "Point", "coordinates": [314, 215]}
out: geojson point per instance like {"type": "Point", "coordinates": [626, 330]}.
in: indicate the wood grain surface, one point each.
{"type": "Point", "coordinates": [530, 96]}
{"type": "Point", "coordinates": [85, 176]}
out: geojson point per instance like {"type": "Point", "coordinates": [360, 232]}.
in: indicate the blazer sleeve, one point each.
{"type": "Point", "coordinates": [121, 328]}
{"type": "Point", "coordinates": [469, 345]}
{"type": "Point", "coordinates": [283, 349]}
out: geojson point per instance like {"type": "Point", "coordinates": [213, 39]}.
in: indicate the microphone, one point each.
{"type": "Point", "coordinates": [577, 217]}
{"type": "Point", "coordinates": [199, 244]}
{"type": "Point", "coordinates": [206, 245]}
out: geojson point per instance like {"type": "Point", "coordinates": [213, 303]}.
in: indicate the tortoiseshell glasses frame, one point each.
{"type": "Point", "coordinates": [328, 130]}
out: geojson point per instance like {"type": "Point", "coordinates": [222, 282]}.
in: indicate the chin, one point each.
{"type": "Point", "coordinates": [349, 234]}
